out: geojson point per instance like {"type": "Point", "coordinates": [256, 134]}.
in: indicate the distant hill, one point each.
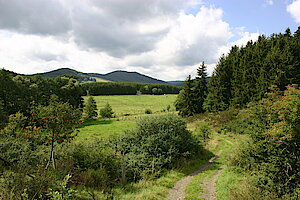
{"type": "Point", "coordinates": [124, 76]}
{"type": "Point", "coordinates": [115, 76]}
{"type": "Point", "coordinates": [177, 83]}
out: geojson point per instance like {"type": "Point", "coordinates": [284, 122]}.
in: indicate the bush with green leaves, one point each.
{"type": "Point", "coordinates": [107, 111]}
{"type": "Point", "coordinates": [274, 154]}
{"type": "Point", "coordinates": [148, 111]}
{"type": "Point", "coordinates": [157, 142]}
{"type": "Point", "coordinates": [94, 164]}
{"type": "Point", "coordinates": [203, 132]}
{"type": "Point", "coordinates": [3, 115]}
{"type": "Point", "coordinates": [244, 126]}
{"type": "Point", "coordinates": [54, 124]}
{"type": "Point", "coordinates": [62, 191]}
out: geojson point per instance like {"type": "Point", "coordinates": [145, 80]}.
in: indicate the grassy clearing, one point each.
{"type": "Point", "coordinates": [102, 129]}
{"type": "Point", "coordinates": [124, 105]}
{"type": "Point", "coordinates": [132, 105]}
{"type": "Point", "coordinates": [128, 109]}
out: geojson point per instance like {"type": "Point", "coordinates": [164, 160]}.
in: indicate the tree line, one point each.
{"type": "Point", "coordinates": [244, 75]}
{"type": "Point", "coordinates": [20, 93]}
{"type": "Point", "coordinates": [113, 88]}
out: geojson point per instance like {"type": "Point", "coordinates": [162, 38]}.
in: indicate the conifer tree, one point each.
{"type": "Point", "coordinates": [106, 111]}
{"type": "Point", "coordinates": [185, 102]}
{"type": "Point", "coordinates": [90, 109]}
{"type": "Point", "coordinates": [200, 88]}
{"type": "Point", "coordinates": [219, 87]}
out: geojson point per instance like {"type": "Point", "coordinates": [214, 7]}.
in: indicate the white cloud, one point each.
{"type": "Point", "coordinates": [294, 10]}
{"type": "Point", "coordinates": [269, 2]}
{"type": "Point", "coordinates": [157, 38]}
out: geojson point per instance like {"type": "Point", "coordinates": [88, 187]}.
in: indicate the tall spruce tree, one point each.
{"type": "Point", "coordinates": [219, 87]}
{"type": "Point", "coordinates": [90, 110]}
{"type": "Point", "coordinates": [200, 88]}
{"type": "Point", "coordinates": [185, 102]}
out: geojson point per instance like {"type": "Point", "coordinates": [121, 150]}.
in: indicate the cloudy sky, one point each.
{"type": "Point", "coordinates": [166, 39]}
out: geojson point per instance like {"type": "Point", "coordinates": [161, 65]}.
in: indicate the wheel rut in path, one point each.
{"type": "Point", "coordinates": [177, 192]}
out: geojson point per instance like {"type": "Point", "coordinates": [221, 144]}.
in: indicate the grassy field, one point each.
{"type": "Point", "coordinates": [124, 105]}
{"type": "Point", "coordinates": [133, 106]}
{"type": "Point", "coordinates": [102, 129]}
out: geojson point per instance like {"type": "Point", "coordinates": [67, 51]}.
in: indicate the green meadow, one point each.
{"type": "Point", "coordinates": [128, 109]}
{"type": "Point", "coordinates": [124, 105]}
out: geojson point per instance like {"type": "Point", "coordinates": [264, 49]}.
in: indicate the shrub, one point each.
{"type": "Point", "coordinates": [148, 111]}
{"type": "Point", "coordinates": [274, 154]}
{"type": "Point", "coordinates": [3, 115]}
{"type": "Point", "coordinates": [168, 108]}
{"type": "Point", "coordinates": [107, 111]}
{"type": "Point", "coordinates": [96, 167]}
{"type": "Point", "coordinates": [156, 143]}
{"type": "Point", "coordinates": [244, 126]}
{"type": "Point", "coordinates": [203, 132]}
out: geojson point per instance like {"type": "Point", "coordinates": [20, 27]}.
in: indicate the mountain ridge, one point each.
{"type": "Point", "coordinates": [114, 76]}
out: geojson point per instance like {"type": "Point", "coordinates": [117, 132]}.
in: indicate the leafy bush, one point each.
{"type": "Point", "coordinates": [148, 111]}
{"type": "Point", "coordinates": [244, 126]}
{"type": "Point", "coordinates": [62, 191]}
{"type": "Point", "coordinates": [96, 167]}
{"type": "Point", "coordinates": [203, 132]}
{"type": "Point", "coordinates": [274, 154]}
{"type": "Point", "coordinates": [156, 143]}
{"type": "Point", "coordinates": [107, 111]}
{"type": "Point", "coordinates": [3, 115]}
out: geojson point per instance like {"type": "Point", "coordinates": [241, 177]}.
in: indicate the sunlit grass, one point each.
{"type": "Point", "coordinates": [136, 104]}
{"type": "Point", "coordinates": [103, 129]}
{"type": "Point", "coordinates": [218, 143]}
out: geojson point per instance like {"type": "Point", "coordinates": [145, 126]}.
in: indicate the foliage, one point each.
{"type": "Point", "coordinates": [200, 88]}
{"type": "Point", "coordinates": [90, 109]}
{"type": "Point", "coordinates": [62, 192]}
{"type": "Point", "coordinates": [246, 73]}
{"type": "Point", "coordinates": [56, 122]}
{"type": "Point", "coordinates": [203, 132]}
{"type": "Point", "coordinates": [156, 143]}
{"type": "Point", "coordinates": [117, 88]}
{"type": "Point", "coordinates": [274, 154]}
{"type": "Point", "coordinates": [3, 115]}
{"type": "Point", "coordinates": [191, 99]}
{"type": "Point", "coordinates": [19, 93]}
{"type": "Point", "coordinates": [185, 102]}
{"type": "Point", "coordinates": [148, 111]}
{"type": "Point", "coordinates": [97, 168]}
{"type": "Point", "coordinates": [107, 111]}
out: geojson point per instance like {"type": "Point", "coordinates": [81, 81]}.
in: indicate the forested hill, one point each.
{"type": "Point", "coordinates": [115, 76]}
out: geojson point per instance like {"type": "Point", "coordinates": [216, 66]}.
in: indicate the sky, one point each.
{"type": "Point", "coordinates": [165, 39]}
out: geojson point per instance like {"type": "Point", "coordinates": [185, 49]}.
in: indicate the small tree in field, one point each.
{"type": "Point", "coordinates": [56, 124]}
{"type": "Point", "coordinates": [107, 111]}
{"type": "Point", "coordinates": [90, 109]}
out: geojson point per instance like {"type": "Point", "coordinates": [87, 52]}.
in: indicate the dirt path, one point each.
{"type": "Point", "coordinates": [210, 186]}
{"type": "Point", "coordinates": [177, 192]}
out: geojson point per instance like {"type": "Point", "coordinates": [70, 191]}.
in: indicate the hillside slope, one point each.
{"type": "Point", "coordinates": [115, 76]}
